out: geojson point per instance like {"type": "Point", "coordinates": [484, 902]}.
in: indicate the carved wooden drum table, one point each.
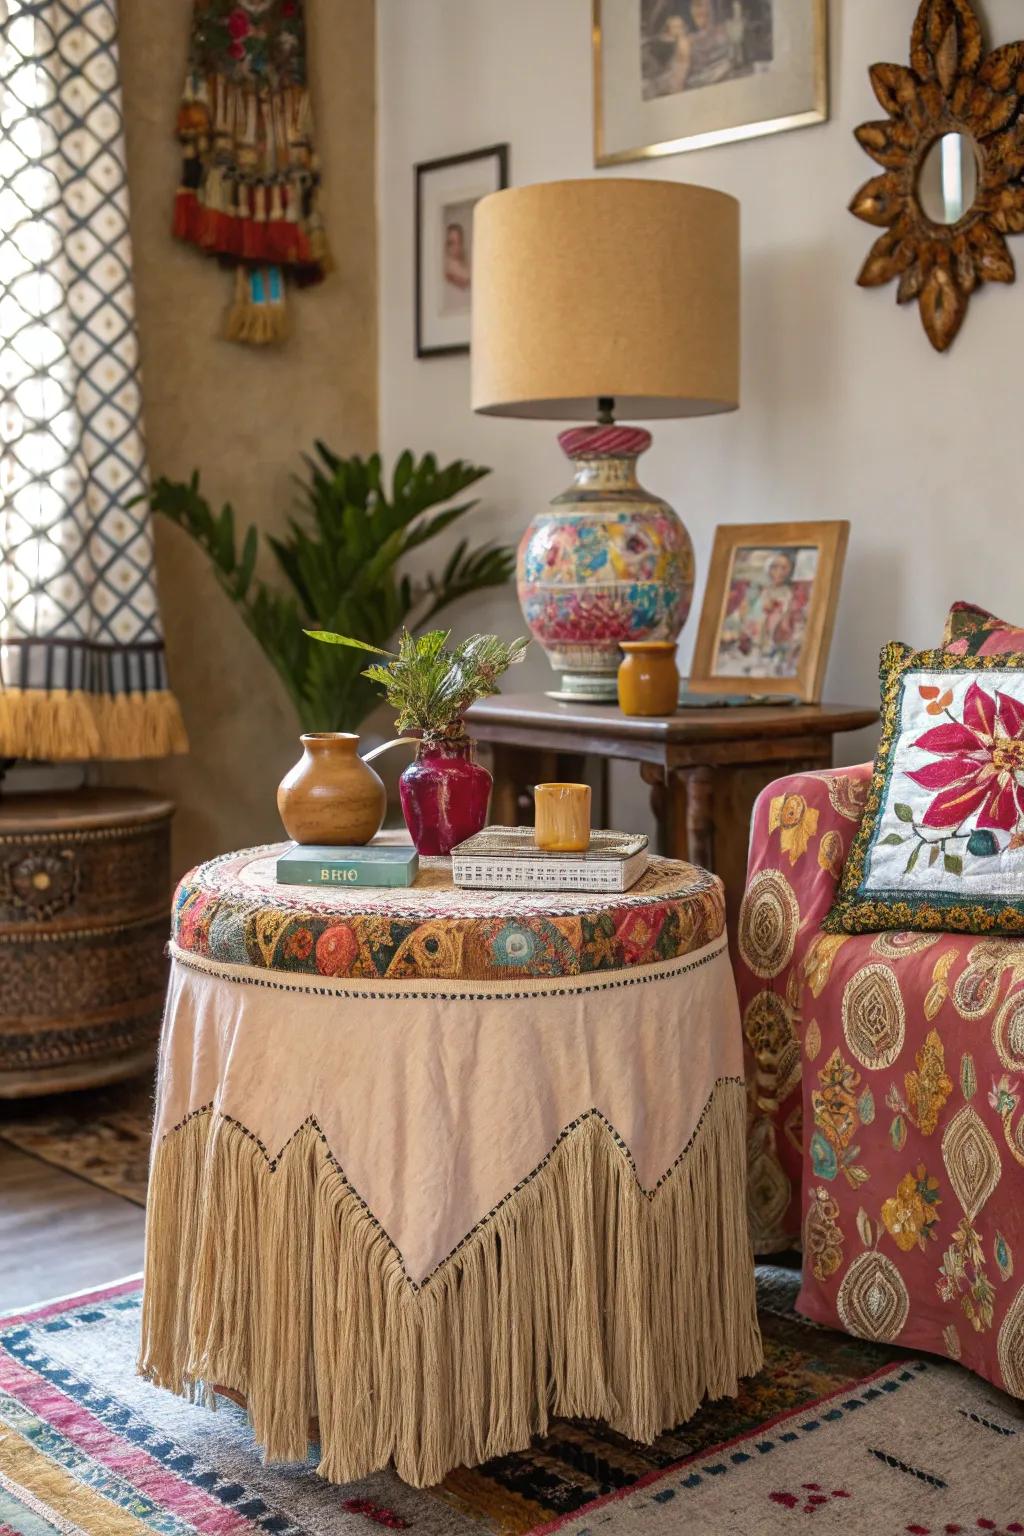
{"type": "Point", "coordinates": [85, 880]}
{"type": "Point", "coordinates": [431, 1166]}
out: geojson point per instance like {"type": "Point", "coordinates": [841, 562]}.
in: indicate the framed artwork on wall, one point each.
{"type": "Point", "coordinates": [769, 609]}
{"type": "Point", "coordinates": [447, 191]}
{"type": "Point", "coordinates": [674, 75]}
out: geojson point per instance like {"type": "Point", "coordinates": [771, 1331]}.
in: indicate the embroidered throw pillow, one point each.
{"type": "Point", "coordinates": [941, 845]}
{"type": "Point", "coordinates": [973, 631]}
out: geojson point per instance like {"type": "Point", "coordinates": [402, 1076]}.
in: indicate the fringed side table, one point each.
{"type": "Point", "coordinates": [432, 1166]}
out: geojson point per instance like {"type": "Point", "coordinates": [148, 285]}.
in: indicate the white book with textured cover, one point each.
{"type": "Point", "coordinates": [508, 859]}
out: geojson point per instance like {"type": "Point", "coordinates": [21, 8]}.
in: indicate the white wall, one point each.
{"type": "Point", "coordinates": [847, 411]}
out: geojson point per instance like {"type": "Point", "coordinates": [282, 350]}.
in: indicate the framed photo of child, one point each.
{"type": "Point", "coordinates": [447, 192]}
{"type": "Point", "coordinates": [769, 609]}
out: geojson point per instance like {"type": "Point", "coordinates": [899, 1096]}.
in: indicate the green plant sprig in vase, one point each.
{"type": "Point", "coordinates": [430, 685]}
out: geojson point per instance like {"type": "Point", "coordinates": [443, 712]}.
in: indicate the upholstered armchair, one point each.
{"type": "Point", "coordinates": [886, 1086]}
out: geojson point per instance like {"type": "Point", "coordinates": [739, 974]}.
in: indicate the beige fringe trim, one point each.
{"type": "Point", "coordinates": [581, 1296]}
{"type": "Point", "coordinates": [63, 726]}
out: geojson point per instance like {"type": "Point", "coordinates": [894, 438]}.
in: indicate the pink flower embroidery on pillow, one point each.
{"type": "Point", "coordinates": [980, 764]}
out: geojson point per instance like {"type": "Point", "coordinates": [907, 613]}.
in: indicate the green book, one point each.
{"type": "Point", "coordinates": [305, 864]}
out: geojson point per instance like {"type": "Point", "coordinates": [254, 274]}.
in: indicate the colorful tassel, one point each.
{"type": "Point", "coordinates": [258, 315]}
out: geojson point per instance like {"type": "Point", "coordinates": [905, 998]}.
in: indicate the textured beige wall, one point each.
{"type": "Point", "coordinates": [242, 416]}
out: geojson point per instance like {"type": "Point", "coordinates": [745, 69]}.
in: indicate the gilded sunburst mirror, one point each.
{"type": "Point", "coordinates": [952, 148]}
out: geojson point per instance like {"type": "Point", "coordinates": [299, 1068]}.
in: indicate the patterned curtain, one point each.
{"type": "Point", "coordinates": [82, 671]}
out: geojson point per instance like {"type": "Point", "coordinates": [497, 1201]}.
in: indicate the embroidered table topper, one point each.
{"type": "Point", "coordinates": [232, 910]}
{"type": "Point", "coordinates": [250, 185]}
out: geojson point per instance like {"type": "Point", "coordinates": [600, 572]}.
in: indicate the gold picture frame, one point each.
{"type": "Point", "coordinates": [765, 629]}
{"type": "Point", "coordinates": [816, 112]}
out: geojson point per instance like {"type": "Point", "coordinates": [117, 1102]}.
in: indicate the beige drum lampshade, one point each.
{"type": "Point", "coordinates": [617, 287]}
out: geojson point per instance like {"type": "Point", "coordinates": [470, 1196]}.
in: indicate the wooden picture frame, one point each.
{"type": "Point", "coordinates": [763, 629]}
{"type": "Point", "coordinates": [446, 192]}
{"type": "Point", "coordinates": [772, 75]}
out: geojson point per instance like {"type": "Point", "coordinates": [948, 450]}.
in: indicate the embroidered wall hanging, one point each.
{"type": "Point", "coordinates": [250, 185]}
{"type": "Point", "coordinates": [82, 671]}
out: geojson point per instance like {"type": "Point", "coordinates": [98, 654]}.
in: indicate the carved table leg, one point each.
{"type": "Point", "coordinates": [668, 806]}
{"type": "Point", "coordinates": [700, 817]}
{"type": "Point", "coordinates": [515, 768]}
{"type": "Point", "coordinates": [654, 776]}
{"type": "Point", "coordinates": [604, 795]}
{"type": "Point", "coordinates": [571, 768]}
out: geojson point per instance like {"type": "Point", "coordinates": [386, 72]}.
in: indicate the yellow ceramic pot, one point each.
{"type": "Point", "coordinates": [331, 795]}
{"type": "Point", "coordinates": [649, 678]}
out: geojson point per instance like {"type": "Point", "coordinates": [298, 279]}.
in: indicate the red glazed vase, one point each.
{"type": "Point", "coordinates": [445, 794]}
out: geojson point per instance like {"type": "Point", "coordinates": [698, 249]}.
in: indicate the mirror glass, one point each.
{"type": "Point", "coordinates": [948, 183]}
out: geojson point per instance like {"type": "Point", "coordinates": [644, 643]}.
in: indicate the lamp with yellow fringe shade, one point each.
{"type": "Point", "coordinates": [592, 298]}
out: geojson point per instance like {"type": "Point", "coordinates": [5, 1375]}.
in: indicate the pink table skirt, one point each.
{"type": "Point", "coordinates": [428, 1214]}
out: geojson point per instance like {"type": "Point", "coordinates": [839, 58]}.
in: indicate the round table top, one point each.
{"type": "Point", "coordinates": [233, 910]}
{"type": "Point", "coordinates": [79, 810]}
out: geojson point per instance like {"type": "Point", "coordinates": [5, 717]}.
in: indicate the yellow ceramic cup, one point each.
{"type": "Point", "coordinates": [562, 817]}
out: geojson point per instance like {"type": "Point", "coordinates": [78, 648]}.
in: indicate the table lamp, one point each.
{"type": "Point", "coordinates": [591, 299]}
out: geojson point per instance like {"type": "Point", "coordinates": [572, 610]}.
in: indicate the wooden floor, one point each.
{"type": "Point", "coordinates": [60, 1234]}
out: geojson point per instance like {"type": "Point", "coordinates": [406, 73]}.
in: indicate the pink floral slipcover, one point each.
{"type": "Point", "coordinates": [886, 1089]}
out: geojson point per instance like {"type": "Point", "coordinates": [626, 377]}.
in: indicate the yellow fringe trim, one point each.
{"type": "Point", "coordinates": [63, 726]}
{"type": "Point", "coordinates": [580, 1297]}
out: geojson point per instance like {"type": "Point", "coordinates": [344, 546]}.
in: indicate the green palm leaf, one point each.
{"type": "Point", "coordinates": [339, 560]}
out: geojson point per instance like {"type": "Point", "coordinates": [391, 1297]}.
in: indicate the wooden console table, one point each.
{"type": "Point", "coordinates": [705, 767]}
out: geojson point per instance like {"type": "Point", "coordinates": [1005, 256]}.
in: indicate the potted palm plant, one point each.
{"type": "Point", "coordinates": [341, 564]}
{"type": "Point", "coordinates": [430, 685]}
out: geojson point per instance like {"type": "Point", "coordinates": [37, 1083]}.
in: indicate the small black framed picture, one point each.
{"type": "Point", "coordinates": [447, 191]}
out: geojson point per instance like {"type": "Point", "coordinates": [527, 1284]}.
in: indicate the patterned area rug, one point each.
{"type": "Point", "coordinates": [101, 1136]}
{"type": "Point", "coordinates": [864, 1438]}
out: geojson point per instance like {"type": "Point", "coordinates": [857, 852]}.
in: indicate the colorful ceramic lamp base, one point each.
{"type": "Point", "coordinates": [607, 562]}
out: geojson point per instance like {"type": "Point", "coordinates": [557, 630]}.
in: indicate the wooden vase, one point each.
{"type": "Point", "coordinates": [331, 796]}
